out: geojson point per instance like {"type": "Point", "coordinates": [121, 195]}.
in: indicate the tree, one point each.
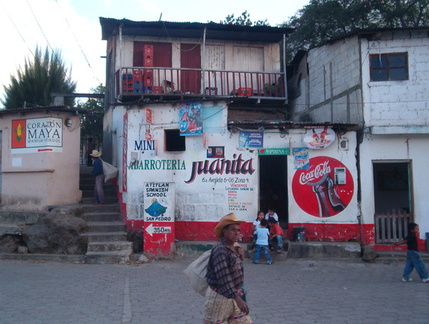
{"type": "Point", "coordinates": [92, 120]}
{"type": "Point", "coordinates": [243, 20]}
{"type": "Point", "coordinates": [41, 76]}
{"type": "Point", "coordinates": [322, 20]}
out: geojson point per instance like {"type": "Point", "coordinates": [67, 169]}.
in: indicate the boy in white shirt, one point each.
{"type": "Point", "coordinates": [262, 243]}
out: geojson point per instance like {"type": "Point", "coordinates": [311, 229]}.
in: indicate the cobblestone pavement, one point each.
{"type": "Point", "coordinates": [292, 291]}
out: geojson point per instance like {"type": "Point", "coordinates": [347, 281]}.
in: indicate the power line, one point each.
{"type": "Point", "coordinates": [22, 37]}
{"type": "Point", "coordinates": [40, 27]}
{"type": "Point", "coordinates": [77, 41]}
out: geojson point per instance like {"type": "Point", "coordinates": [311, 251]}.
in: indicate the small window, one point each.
{"type": "Point", "coordinates": [173, 140]}
{"type": "Point", "coordinates": [389, 67]}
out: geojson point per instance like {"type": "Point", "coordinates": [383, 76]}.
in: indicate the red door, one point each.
{"type": "Point", "coordinates": [190, 57]}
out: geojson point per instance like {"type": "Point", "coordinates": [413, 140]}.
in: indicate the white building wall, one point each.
{"type": "Point", "coordinates": [347, 157]}
{"type": "Point", "coordinates": [398, 148]}
{"type": "Point", "coordinates": [398, 103]}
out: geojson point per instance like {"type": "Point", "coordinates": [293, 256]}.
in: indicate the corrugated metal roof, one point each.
{"type": "Point", "coordinates": [167, 29]}
{"type": "Point", "coordinates": [39, 109]}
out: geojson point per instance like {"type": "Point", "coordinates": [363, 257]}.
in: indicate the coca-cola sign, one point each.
{"type": "Point", "coordinates": [325, 189]}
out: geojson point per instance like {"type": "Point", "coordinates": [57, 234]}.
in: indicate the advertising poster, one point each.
{"type": "Point", "coordinates": [319, 138]}
{"type": "Point", "coordinates": [191, 121]}
{"type": "Point", "coordinates": [251, 139]}
{"type": "Point", "coordinates": [324, 189]}
{"type": "Point", "coordinates": [300, 156]}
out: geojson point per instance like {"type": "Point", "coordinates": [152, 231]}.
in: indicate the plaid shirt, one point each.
{"type": "Point", "coordinates": [225, 271]}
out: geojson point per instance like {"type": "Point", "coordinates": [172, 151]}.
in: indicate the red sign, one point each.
{"type": "Point", "coordinates": [18, 133]}
{"type": "Point", "coordinates": [325, 189]}
{"type": "Point", "coordinates": [148, 116]}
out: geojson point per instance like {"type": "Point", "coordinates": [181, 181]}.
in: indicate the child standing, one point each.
{"type": "Point", "coordinates": [414, 259]}
{"type": "Point", "coordinates": [276, 235]}
{"type": "Point", "coordinates": [262, 242]}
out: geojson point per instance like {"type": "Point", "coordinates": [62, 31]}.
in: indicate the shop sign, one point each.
{"type": "Point", "coordinates": [274, 151]}
{"type": "Point", "coordinates": [36, 135]}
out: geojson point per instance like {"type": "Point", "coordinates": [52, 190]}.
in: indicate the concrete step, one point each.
{"type": "Point", "coordinates": [108, 208]}
{"type": "Point", "coordinates": [103, 227]}
{"type": "Point", "coordinates": [109, 246]}
{"type": "Point", "coordinates": [323, 249]}
{"type": "Point", "coordinates": [102, 217]}
{"type": "Point", "coordinates": [106, 236]}
{"type": "Point", "coordinates": [107, 200]}
{"type": "Point", "coordinates": [114, 257]}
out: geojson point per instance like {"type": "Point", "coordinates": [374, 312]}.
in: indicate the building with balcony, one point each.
{"type": "Point", "coordinates": [376, 79]}
{"type": "Point", "coordinates": [197, 123]}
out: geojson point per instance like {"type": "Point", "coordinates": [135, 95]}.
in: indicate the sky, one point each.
{"type": "Point", "coordinates": [73, 27]}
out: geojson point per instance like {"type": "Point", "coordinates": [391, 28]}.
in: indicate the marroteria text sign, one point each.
{"type": "Point", "coordinates": [34, 135]}
{"type": "Point", "coordinates": [274, 151]}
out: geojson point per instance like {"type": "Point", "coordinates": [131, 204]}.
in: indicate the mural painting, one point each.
{"type": "Point", "coordinates": [324, 189]}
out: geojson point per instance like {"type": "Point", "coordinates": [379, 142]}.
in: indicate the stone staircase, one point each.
{"type": "Point", "coordinates": [107, 236]}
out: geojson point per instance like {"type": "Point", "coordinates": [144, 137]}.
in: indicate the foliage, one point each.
{"type": "Point", "coordinates": [40, 77]}
{"type": "Point", "coordinates": [322, 20]}
{"type": "Point", "coordinates": [92, 120]}
{"type": "Point", "coordinates": [243, 20]}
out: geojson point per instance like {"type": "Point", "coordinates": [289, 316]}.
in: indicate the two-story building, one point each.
{"type": "Point", "coordinates": [377, 79]}
{"type": "Point", "coordinates": [196, 122]}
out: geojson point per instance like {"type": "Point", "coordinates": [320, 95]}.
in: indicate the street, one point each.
{"type": "Point", "coordinates": [292, 291]}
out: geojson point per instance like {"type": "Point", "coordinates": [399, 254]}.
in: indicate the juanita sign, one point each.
{"type": "Point", "coordinates": [37, 135]}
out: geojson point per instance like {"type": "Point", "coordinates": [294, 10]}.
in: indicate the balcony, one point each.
{"type": "Point", "coordinates": [168, 84]}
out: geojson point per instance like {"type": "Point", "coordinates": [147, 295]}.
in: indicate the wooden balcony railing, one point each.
{"type": "Point", "coordinates": [197, 82]}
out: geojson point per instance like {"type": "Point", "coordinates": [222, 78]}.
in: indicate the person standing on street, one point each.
{"type": "Point", "coordinates": [99, 177]}
{"type": "Point", "coordinates": [225, 298]}
{"type": "Point", "coordinates": [414, 260]}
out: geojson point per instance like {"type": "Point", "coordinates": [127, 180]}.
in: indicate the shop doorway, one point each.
{"type": "Point", "coordinates": [392, 200]}
{"type": "Point", "coordinates": [273, 185]}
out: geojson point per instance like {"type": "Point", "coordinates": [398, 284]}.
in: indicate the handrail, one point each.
{"type": "Point", "coordinates": [197, 81]}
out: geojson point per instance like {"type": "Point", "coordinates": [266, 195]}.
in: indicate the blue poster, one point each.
{"type": "Point", "coordinates": [251, 139]}
{"type": "Point", "coordinates": [300, 155]}
{"type": "Point", "coordinates": [191, 121]}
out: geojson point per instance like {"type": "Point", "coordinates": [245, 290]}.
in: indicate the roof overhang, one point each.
{"type": "Point", "coordinates": [165, 29]}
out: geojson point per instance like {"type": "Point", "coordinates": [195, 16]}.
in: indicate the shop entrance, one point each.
{"type": "Point", "coordinates": [392, 199]}
{"type": "Point", "coordinates": [273, 185]}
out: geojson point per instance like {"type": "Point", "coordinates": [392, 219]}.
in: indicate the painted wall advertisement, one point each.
{"type": "Point", "coordinates": [324, 189]}
{"type": "Point", "coordinates": [35, 135]}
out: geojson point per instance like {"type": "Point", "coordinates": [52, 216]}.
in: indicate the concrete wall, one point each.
{"type": "Point", "coordinates": [331, 91]}
{"type": "Point", "coordinates": [45, 175]}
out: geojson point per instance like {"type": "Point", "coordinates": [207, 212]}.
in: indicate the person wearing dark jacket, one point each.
{"type": "Point", "coordinates": [99, 178]}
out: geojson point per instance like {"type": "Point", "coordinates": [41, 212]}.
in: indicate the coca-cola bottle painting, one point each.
{"type": "Point", "coordinates": [315, 191]}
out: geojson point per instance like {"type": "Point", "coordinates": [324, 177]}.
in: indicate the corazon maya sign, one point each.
{"type": "Point", "coordinates": [35, 135]}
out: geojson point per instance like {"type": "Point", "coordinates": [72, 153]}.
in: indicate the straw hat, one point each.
{"type": "Point", "coordinates": [225, 221]}
{"type": "Point", "coordinates": [95, 153]}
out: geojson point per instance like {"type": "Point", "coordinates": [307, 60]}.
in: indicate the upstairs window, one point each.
{"type": "Point", "coordinates": [389, 67]}
{"type": "Point", "coordinates": [173, 141]}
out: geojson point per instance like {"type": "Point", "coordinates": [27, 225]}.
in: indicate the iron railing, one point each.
{"type": "Point", "coordinates": [173, 81]}
{"type": "Point", "coordinates": [391, 226]}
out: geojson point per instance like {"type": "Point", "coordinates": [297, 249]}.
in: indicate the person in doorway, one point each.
{"type": "Point", "coordinates": [262, 243]}
{"type": "Point", "coordinates": [271, 215]}
{"type": "Point", "coordinates": [89, 148]}
{"type": "Point", "coordinates": [225, 298]}
{"type": "Point", "coordinates": [99, 177]}
{"type": "Point", "coordinates": [276, 235]}
{"type": "Point", "coordinates": [414, 260]}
